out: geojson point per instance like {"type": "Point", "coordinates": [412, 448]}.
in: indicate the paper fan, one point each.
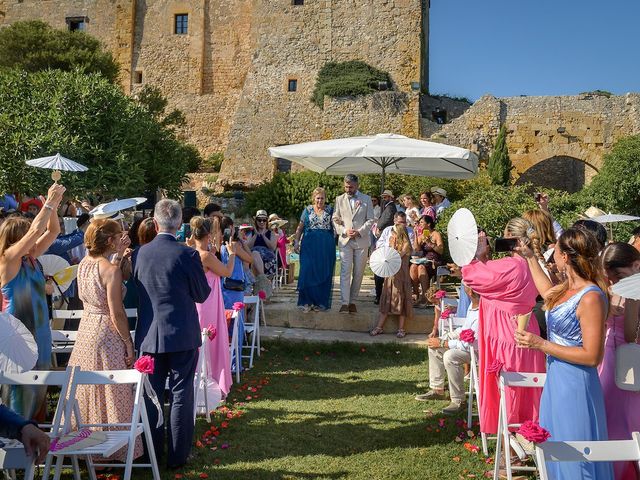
{"type": "Point", "coordinates": [52, 264]}
{"type": "Point", "coordinates": [385, 261]}
{"type": "Point", "coordinates": [65, 277]}
{"type": "Point", "coordinates": [462, 232]}
{"type": "Point", "coordinates": [18, 348]}
{"type": "Point", "coordinates": [628, 287]}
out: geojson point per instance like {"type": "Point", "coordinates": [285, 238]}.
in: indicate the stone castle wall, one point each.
{"type": "Point", "coordinates": [547, 132]}
{"type": "Point", "coordinates": [229, 74]}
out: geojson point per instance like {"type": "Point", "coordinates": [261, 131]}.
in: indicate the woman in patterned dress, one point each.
{"type": "Point", "coordinates": [23, 291]}
{"type": "Point", "coordinates": [104, 341]}
{"type": "Point", "coordinates": [315, 242]}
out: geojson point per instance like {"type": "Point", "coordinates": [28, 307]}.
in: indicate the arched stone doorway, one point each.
{"type": "Point", "coordinates": [559, 172]}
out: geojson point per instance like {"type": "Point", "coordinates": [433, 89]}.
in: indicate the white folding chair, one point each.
{"type": "Point", "coordinates": [116, 439]}
{"type": "Point", "coordinates": [234, 349]}
{"type": "Point", "coordinates": [200, 380]}
{"type": "Point", "coordinates": [12, 456]}
{"type": "Point", "coordinates": [446, 327]}
{"type": "Point", "coordinates": [252, 328]}
{"type": "Point", "coordinates": [474, 389]}
{"type": "Point", "coordinates": [512, 380]}
{"type": "Point", "coordinates": [587, 451]}
{"type": "Point", "coordinates": [68, 314]}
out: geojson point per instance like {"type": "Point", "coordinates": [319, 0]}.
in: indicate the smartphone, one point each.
{"type": "Point", "coordinates": [502, 244]}
{"type": "Point", "coordinates": [537, 196]}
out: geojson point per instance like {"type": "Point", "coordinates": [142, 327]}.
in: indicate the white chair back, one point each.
{"type": "Point", "coordinates": [474, 389]}
{"type": "Point", "coordinates": [234, 348]}
{"type": "Point", "coordinates": [252, 327]}
{"type": "Point", "coordinates": [589, 451]}
{"type": "Point", "coordinates": [200, 379]}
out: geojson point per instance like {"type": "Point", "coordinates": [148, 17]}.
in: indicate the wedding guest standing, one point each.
{"type": "Point", "coordinates": [385, 220]}
{"type": "Point", "coordinates": [426, 202]}
{"type": "Point", "coordinates": [170, 281]}
{"type": "Point", "coordinates": [506, 289]}
{"type": "Point", "coordinates": [211, 311]}
{"type": "Point", "coordinates": [620, 260]}
{"type": "Point", "coordinates": [315, 241]}
{"type": "Point", "coordinates": [352, 220]}
{"type": "Point", "coordinates": [572, 405]}
{"type": "Point", "coordinates": [23, 290]}
{"type": "Point", "coordinates": [103, 341]}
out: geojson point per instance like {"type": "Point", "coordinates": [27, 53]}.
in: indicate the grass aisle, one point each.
{"type": "Point", "coordinates": [311, 411]}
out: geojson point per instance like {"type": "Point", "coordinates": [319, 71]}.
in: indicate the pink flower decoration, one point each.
{"type": "Point", "coordinates": [533, 432]}
{"type": "Point", "coordinates": [467, 336]}
{"type": "Point", "coordinates": [144, 364]}
{"type": "Point", "coordinates": [262, 295]}
{"type": "Point", "coordinates": [211, 332]}
{"type": "Point", "coordinates": [238, 306]}
{"type": "Point", "coordinates": [495, 367]}
{"type": "Point", "coordinates": [440, 294]}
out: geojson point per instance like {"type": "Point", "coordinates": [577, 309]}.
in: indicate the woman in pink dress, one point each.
{"type": "Point", "coordinates": [506, 289]}
{"type": "Point", "coordinates": [211, 312]}
{"type": "Point", "coordinates": [620, 260]}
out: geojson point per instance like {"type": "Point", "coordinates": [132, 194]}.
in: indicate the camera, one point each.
{"type": "Point", "coordinates": [502, 244]}
{"type": "Point", "coordinates": [537, 196]}
{"type": "Point", "coordinates": [230, 235]}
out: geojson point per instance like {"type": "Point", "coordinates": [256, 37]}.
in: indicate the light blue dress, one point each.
{"type": "Point", "coordinates": [232, 296]}
{"type": "Point", "coordinates": [572, 404]}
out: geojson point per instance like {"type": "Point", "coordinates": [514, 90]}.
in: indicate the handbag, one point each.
{"type": "Point", "coordinates": [233, 284]}
{"type": "Point", "coordinates": [628, 365]}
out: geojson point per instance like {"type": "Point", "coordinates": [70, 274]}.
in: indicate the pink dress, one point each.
{"type": "Point", "coordinates": [211, 312]}
{"type": "Point", "coordinates": [506, 289]}
{"type": "Point", "coordinates": [282, 248]}
{"type": "Point", "coordinates": [622, 406]}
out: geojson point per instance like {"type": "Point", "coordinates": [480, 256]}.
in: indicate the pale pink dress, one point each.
{"type": "Point", "coordinates": [506, 289]}
{"type": "Point", "coordinates": [211, 312]}
{"type": "Point", "coordinates": [99, 347]}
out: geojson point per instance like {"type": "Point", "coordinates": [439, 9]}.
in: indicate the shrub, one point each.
{"type": "Point", "coordinates": [213, 163]}
{"type": "Point", "coordinates": [499, 165]}
{"type": "Point", "coordinates": [350, 78]}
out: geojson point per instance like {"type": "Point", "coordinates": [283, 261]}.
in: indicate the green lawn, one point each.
{"type": "Point", "coordinates": [336, 411]}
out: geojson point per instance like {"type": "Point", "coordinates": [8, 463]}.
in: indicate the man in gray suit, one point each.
{"type": "Point", "coordinates": [352, 219]}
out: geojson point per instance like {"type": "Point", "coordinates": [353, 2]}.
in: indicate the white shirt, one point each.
{"type": "Point", "coordinates": [353, 200]}
{"type": "Point", "coordinates": [383, 241]}
{"type": "Point", "coordinates": [470, 322]}
{"type": "Point", "coordinates": [441, 206]}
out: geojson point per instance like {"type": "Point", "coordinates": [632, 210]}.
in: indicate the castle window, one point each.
{"type": "Point", "coordinates": [292, 85]}
{"type": "Point", "coordinates": [297, 2]}
{"type": "Point", "coordinates": [137, 76]}
{"type": "Point", "coordinates": [283, 165]}
{"type": "Point", "coordinates": [76, 23]}
{"type": "Point", "coordinates": [181, 24]}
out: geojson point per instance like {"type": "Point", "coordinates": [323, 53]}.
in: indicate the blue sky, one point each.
{"type": "Point", "coordinates": [534, 47]}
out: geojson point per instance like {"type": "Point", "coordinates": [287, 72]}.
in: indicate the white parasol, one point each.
{"type": "Point", "coordinates": [462, 232]}
{"type": "Point", "coordinates": [385, 261]}
{"type": "Point", "coordinates": [110, 209]}
{"type": "Point", "coordinates": [614, 218]}
{"type": "Point", "coordinates": [628, 287]}
{"type": "Point", "coordinates": [18, 348]}
{"type": "Point", "coordinates": [56, 163]}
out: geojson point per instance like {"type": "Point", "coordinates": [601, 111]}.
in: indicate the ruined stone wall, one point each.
{"type": "Point", "coordinates": [294, 42]}
{"type": "Point", "coordinates": [582, 127]}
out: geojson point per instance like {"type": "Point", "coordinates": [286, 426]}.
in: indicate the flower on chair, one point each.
{"type": "Point", "coordinates": [238, 306]}
{"type": "Point", "coordinates": [467, 335]}
{"type": "Point", "coordinates": [144, 364]}
{"type": "Point", "coordinates": [440, 294]}
{"type": "Point", "coordinates": [533, 432]}
{"type": "Point", "coordinates": [211, 332]}
{"type": "Point", "coordinates": [262, 295]}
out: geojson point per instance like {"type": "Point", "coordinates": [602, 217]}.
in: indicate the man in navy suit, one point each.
{"type": "Point", "coordinates": [170, 280]}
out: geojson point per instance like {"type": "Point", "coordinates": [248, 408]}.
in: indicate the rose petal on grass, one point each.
{"type": "Point", "coordinates": [456, 459]}
{"type": "Point", "coordinates": [203, 475]}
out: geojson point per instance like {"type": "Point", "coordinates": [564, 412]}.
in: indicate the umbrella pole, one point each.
{"type": "Point", "coordinates": [382, 181]}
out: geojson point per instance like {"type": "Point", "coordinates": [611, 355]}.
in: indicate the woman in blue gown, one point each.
{"type": "Point", "coordinates": [315, 241]}
{"type": "Point", "coordinates": [572, 404]}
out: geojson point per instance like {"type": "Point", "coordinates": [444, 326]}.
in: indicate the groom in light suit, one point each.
{"type": "Point", "coordinates": [352, 219]}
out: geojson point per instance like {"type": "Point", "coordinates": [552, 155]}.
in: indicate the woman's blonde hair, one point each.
{"type": "Point", "coordinates": [97, 236]}
{"type": "Point", "coordinates": [12, 230]}
{"type": "Point", "coordinates": [522, 229]}
{"type": "Point", "coordinates": [402, 237]}
{"type": "Point", "coordinates": [582, 250]}
{"type": "Point", "coordinates": [316, 191]}
{"type": "Point", "coordinates": [200, 227]}
{"type": "Point", "coordinates": [543, 225]}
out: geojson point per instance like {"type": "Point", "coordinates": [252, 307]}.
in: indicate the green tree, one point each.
{"type": "Point", "coordinates": [500, 166]}
{"type": "Point", "coordinates": [352, 78]}
{"type": "Point", "coordinates": [88, 119]}
{"type": "Point", "coordinates": [34, 46]}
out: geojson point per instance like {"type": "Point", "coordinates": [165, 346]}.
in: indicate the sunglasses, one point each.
{"type": "Point", "coordinates": [261, 220]}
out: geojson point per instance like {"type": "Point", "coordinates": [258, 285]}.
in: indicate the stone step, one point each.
{"type": "Point", "coordinates": [282, 311]}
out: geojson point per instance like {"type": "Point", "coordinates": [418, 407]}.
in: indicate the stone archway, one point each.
{"type": "Point", "coordinates": [560, 172]}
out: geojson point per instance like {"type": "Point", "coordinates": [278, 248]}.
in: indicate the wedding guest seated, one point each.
{"type": "Point", "coordinates": [428, 247]}
{"type": "Point", "coordinates": [35, 441]}
{"type": "Point", "coordinates": [440, 199]}
{"type": "Point", "coordinates": [31, 206]}
{"type": "Point", "coordinates": [450, 353]}
{"type": "Point", "coordinates": [263, 242]}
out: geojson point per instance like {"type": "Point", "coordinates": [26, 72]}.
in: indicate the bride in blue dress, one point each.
{"type": "Point", "coordinates": [315, 241]}
{"type": "Point", "coordinates": [572, 404]}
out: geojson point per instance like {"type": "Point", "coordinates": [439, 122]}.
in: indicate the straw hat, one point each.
{"type": "Point", "coordinates": [276, 221]}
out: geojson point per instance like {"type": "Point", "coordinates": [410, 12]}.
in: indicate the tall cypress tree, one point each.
{"type": "Point", "coordinates": [500, 165]}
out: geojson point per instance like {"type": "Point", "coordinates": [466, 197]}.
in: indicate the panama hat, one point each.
{"type": "Point", "coordinates": [387, 192]}
{"type": "Point", "coordinates": [439, 191]}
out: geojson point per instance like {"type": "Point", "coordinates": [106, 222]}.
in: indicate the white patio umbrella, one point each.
{"type": "Point", "coordinates": [383, 153]}
{"type": "Point", "coordinates": [56, 163]}
{"type": "Point", "coordinates": [18, 348]}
